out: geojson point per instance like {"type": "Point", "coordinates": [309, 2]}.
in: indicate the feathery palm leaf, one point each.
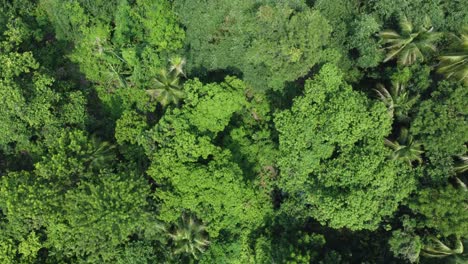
{"type": "Point", "coordinates": [454, 64]}
{"type": "Point", "coordinates": [166, 88]}
{"type": "Point", "coordinates": [188, 238]}
{"type": "Point", "coordinates": [177, 64]}
{"type": "Point", "coordinates": [99, 154]}
{"type": "Point", "coordinates": [462, 164]}
{"type": "Point", "coordinates": [437, 249]}
{"type": "Point", "coordinates": [397, 99]}
{"type": "Point", "coordinates": [409, 45]}
{"type": "Point", "coordinates": [405, 148]}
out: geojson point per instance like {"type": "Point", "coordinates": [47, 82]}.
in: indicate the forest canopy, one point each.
{"type": "Point", "coordinates": [233, 131]}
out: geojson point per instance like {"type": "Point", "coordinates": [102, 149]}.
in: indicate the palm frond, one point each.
{"type": "Point", "coordinates": [454, 64]}
{"type": "Point", "coordinates": [405, 25]}
{"type": "Point", "coordinates": [189, 237]}
{"type": "Point", "coordinates": [409, 45]}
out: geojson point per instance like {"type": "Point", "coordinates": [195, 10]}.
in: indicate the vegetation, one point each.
{"type": "Point", "coordinates": [454, 64]}
{"type": "Point", "coordinates": [233, 131]}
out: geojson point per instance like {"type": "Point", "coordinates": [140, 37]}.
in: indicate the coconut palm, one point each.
{"type": "Point", "coordinates": [437, 249]}
{"type": "Point", "coordinates": [454, 64]}
{"type": "Point", "coordinates": [405, 148]}
{"type": "Point", "coordinates": [410, 44]}
{"type": "Point", "coordinates": [396, 99]}
{"type": "Point", "coordinates": [99, 154]}
{"type": "Point", "coordinates": [177, 64]}
{"type": "Point", "coordinates": [166, 88]}
{"type": "Point", "coordinates": [189, 238]}
{"type": "Point", "coordinates": [462, 164]}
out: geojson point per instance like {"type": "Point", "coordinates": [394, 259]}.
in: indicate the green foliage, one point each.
{"type": "Point", "coordinates": [352, 37]}
{"type": "Point", "coordinates": [241, 35]}
{"type": "Point", "coordinates": [166, 84]}
{"type": "Point", "coordinates": [298, 248]}
{"type": "Point", "coordinates": [99, 216]}
{"type": "Point", "coordinates": [364, 29]}
{"type": "Point", "coordinates": [443, 209]}
{"type": "Point", "coordinates": [435, 248]}
{"type": "Point", "coordinates": [123, 141]}
{"type": "Point", "coordinates": [31, 105]}
{"type": "Point", "coordinates": [397, 100]}
{"type": "Point", "coordinates": [121, 47]}
{"type": "Point", "coordinates": [195, 174]}
{"type": "Point", "coordinates": [332, 156]}
{"type": "Point", "coordinates": [137, 253]}
{"type": "Point", "coordinates": [188, 238]}
{"type": "Point", "coordinates": [454, 64]}
{"type": "Point", "coordinates": [411, 45]}
{"type": "Point", "coordinates": [405, 246]}
{"type": "Point", "coordinates": [129, 127]}
{"type": "Point", "coordinates": [445, 15]}
{"type": "Point", "coordinates": [86, 216]}
{"type": "Point", "coordinates": [441, 124]}
{"type": "Point", "coordinates": [405, 148]}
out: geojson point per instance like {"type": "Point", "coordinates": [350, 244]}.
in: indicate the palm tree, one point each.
{"type": "Point", "coordinates": [462, 164]}
{"type": "Point", "coordinates": [189, 238]}
{"type": "Point", "coordinates": [99, 153]}
{"type": "Point", "coordinates": [396, 99]}
{"type": "Point", "coordinates": [410, 44]}
{"type": "Point", "coordinates": [405, 148]}
{"type": "Point", "coordinates": [437, 249]}
{"type": "Point", "coordinates": [177, 64]}
{"type": "Point", "coordinates": [454, 64]}
{"type": "Point", "coordinates": [166, 88]}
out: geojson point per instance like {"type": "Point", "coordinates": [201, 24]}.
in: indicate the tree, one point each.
{"type": "Point", "coordinates": [166, 86]}
{"type": "Point", "coordinates": [123, 139]}
{"type": "Point", "coordinates": [454, 64]}
{"type": "Point", "coordinates": [100, 154]}
{"type": "Point", "coordinates": [405, 148]}
{"type": "Point", "coordinates": [79, 213]}
{"type": "Point", "coordinates": [435, 248]}
{"type": "Point", "coordinates": [120, 47]}
{"type": "Point", "coordinates": [406, 245]}
{"type": "Point", "coordinates": [188, 238]}
{"type": "Point", "coordinates": [462, 164]}
{"type": "Point", "coordinates": [353, 36]}
{"type": "Point", "coordinates": [195, 174]}
{"type": "Point", "coordinates": [99, 215]}
{"type": "Point", "coordinates": [177, 65]}
{"type": "Point", "coordinates": [409, 45]}
{"type": "Point", "coordinates": [440, 212]}
{"type": "Point", "coordinates": [442, 209]}
{"type": "Point", "coordinates": [440, 122]}
{"type": "Point", "coordinates": [203, 171]}
{"type": "Point", "coordinates": [239, 37]}
{"type": "Point", "coordinates": [34, 104]}
{"type": "Point", "coordinates": [333, 159]}
{"type": "Point", "coordinates": [397, 100]}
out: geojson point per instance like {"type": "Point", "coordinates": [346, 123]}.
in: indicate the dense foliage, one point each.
{"type": "Point", "coordinates": [233, 131]}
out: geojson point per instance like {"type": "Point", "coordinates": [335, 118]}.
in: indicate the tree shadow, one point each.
{"type": "Point", "coordinates": [210, 76]}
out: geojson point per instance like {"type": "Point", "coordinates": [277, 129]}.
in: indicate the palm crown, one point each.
{"type": "Point", "coordinates": [177, 64]}
{"type": "Point", "coordinates": [454, 64]}
{"type": "Point", "coordinates": [409, 45]}
{"type": "Point", "coordinates": [397, 99]}
{"type": "Point", "coordinates": [405, 148]}
{"type": "Point", "coordinates": [188, 238]}
{"type": "Point", "coordinates": [166, 85]}
{"type": "Point", "coordinates": [437, 249]}
{"type": "Point", "coordinates": [99, 154]}
{"type": "Point", "coordinates": [462, 164]}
